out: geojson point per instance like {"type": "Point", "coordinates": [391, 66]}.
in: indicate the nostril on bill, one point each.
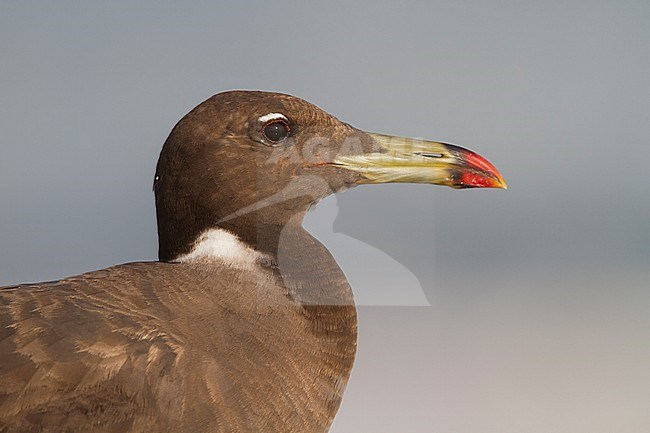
{"type": "Point", "coordinates": [429, 155]}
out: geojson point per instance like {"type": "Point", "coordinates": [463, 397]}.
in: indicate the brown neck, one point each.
{"type": "Point", "coordinates": [313, 279]}
{"type": "Point", "coordinates": [306, 267]}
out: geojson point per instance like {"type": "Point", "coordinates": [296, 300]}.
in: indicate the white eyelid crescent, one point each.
{"type": "Point", "coordinates": [273, 116]}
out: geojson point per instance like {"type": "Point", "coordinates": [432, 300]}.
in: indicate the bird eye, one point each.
{"type": "Point", "coordinates": [276, 131]}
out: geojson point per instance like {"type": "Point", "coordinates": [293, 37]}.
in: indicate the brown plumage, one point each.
{"type": "Point", "coordinates": [259, 338]}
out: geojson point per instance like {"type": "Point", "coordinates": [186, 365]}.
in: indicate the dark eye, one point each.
{"type": "Point", "coordinates": [276, 131]}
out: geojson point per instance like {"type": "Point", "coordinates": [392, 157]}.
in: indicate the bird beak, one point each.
{"type": "Point", "coordinates": [398, 159]}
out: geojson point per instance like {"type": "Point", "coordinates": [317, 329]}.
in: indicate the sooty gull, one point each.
{"type": "Point", "coordinates": [246, 324]}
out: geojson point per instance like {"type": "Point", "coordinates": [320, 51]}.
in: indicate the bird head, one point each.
{"type": "Point", "coordinates": [250, 162]}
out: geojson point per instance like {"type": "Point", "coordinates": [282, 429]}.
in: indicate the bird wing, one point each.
{"type": "Point", "coordinates": [85, 348]}
{"type": "Point", "coordinates": [162, 347]}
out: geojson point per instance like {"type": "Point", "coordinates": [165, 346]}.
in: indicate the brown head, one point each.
{"type": "Point", "coordinates": [253, 162]}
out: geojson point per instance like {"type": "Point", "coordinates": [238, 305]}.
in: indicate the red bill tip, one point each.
{"type": "Point", "coordinates": [487, 176]}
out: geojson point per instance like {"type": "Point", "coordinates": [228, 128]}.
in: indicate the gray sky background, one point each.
{"type": "Point", "coordinates": [539, 295]}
